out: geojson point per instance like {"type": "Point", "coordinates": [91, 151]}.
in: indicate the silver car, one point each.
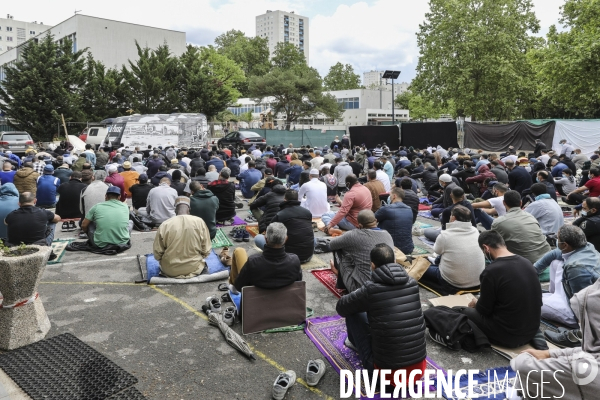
{"type": "Point", "coordinates": [17, 142]}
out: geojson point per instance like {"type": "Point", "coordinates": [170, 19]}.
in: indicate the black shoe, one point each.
{"type": "Point", "coordinates": [538, 341]}
{"type": "Point", "coordinates": [440, 340]}
{"type": "Point", "coordinates": [65, 227]}
{"type": "Point", "coordinates": [564, 338]}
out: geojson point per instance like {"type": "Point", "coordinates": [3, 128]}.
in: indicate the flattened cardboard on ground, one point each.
{"type": "Point", "coordinates": [452, 300]}
{"type": "Point", "coordinates": [509, 354]}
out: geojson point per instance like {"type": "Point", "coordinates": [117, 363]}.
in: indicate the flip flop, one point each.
{"type": "Point", "coordinates": [223, 287]}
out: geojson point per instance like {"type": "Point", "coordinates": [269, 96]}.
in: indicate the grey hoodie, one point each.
{"type": "Point", "coordinates": [342, 170]}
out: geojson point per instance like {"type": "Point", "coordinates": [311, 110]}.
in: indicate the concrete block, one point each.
{"type": "Point", "coordinates": [23, 325]}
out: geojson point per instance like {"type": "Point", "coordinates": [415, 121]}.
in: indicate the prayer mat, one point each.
{"type": "Point", "coordinates": [58, 247]}
{"type": "Point", "coordinates": [418, 251]}
{"type": "Point", "coordinates": [329, 279]}
{"type": "Point", "coordinates": [426, 214]}
{"type": "Point", "coordinates": [221, 240]}
{"type": "Point", "coordinates": [236, 221]}
{"type": "Point", "coordinates": [426, 241]}
{"type": "Point", "coordinates": [215, 271]}
{"type": "Point", "coordinates": [252, 230]}
{"type": "Point", "coordinates": [328, 334]}
{"type": "Point", "coordinates": [421, 225]}
{"type": "Point", "coordinates": [315, 262]}
{"type": "Point", "coordinates": [493, 384]}
{"type": "Point", "coordinates": [442, 291]}
{"type": "Point", "coordinates": [292, 328]}
{"type": "Point", "coordinates": [423, 207]}
{"type": "Point", "coordinates": [423, 199]}
{"type": "Point", "coordinates": [509, 354]}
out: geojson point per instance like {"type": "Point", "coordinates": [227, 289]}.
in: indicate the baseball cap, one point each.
{"type": "Point", "coordinates": [126, 164]}
{"type": "Point", "coordinates": [48, 168]}
{"type": "Point", "coordinates": [445, 178]}
{"type": "Point", "coordinates": [268, 171]}
{"type": "Point", "coordinates": [174, 161]}
{"type": "Point", "coordinates": [314, 171]}
{"type": "Point", "coordinates": [114, 189]}
{"type": "Point", "coordinates": [143, 178]}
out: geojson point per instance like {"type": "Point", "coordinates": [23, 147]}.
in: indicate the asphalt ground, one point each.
{"type": "Point", "coordinates": [160, 335]}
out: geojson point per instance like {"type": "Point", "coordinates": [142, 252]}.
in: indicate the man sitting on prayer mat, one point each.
{"type": "Point", "coordinates": [30, 224]}
{"type": "Point", "coordinates": [271, 269]}
{"type": "Point", "coordinates": [509, 307]}
{"type": "Point", "coordinates": [384, 319]}
{"type": "Point", "coordinates": [182, 243]}
{"type": "Point", "coordinates": [108, 223]}
{"type": "Point", "coordinates": [563, 365]}
{"type": "Point", "coordinates": [460, 260]}
{"type": "Point", "coordinates": [574, 265]}
{"type": "Point", "coordinates": [351, 251]}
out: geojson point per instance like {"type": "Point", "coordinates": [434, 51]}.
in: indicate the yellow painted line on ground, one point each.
{"type": "Point", "coordinates": [259, 354]}
{"type": "Point", "coordinates": [93, 283]}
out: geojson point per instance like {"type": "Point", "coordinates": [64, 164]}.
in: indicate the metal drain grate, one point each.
{"type": "Point", "coordinates": [64, 368]}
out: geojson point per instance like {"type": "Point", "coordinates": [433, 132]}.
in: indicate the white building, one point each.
{"type": "Point", "coordinates": [111, 42]}
{"type": "Point", "coordinates": [282, 26]}
{"type": "Point", "coordinates": [14, 33]}
{"type": "Point", "coordinates": [361, 107]}
{"type": "Point", "coordinates": [372, 80]}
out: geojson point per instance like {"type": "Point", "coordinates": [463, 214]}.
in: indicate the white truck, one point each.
{"type": "Point", "coordinates": [180, 129]}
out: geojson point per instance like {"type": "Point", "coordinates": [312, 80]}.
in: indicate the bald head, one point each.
{"type": "Point", "coordinates": [366, 219]}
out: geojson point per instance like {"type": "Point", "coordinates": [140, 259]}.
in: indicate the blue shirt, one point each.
{"type": "Point", "coordinates": [558, 169]}
{"type": "Point", "coordinates": [7, 176]}
{"type": "Point", "coordinates": [247, 179]}
{"type": "Point", "coordinates": [46, 190]}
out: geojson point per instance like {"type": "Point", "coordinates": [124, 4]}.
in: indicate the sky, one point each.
{"type": "Point", "coordinates": [369, 35]}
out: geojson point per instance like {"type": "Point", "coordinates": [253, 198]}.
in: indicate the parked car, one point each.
{"type": "Point", "coordinates": [245, 139]}
{"type": "Point", "coordinates": [17, 142]}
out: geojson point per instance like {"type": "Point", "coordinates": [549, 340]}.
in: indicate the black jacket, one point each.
{"type": "Point", "coordinates": [139, 194]}
{"type": "Point", "coordinates": [271, 269]}
{"type": "Point", "coordinates": [539, 146]}
{"type": "Point", "coordinates": [270, 204]}
{"type": "Point", "coordinates": [225, 192]}
{"type": "Point", "coordinates": [280, 167]}
{"type": "Point", "coordinates": [196, 163]}
{"type": "Point", "coordinates": [234, 165]}
{"type": "Point", "coordinates": [591, 227]}
{"type": "Point", "coordinates": [70, 197]}
{"type": "Point", "coordinates": [298, 221]}
{"type": "Point", "coordinates": [412, 200]}
{"type": "Point", "coordinates": [456, 328]}
{"type": "Point", "coordinates": [391, 301]}
{"type": "Point", "coordinates": [519, 179]}
{"type": "Point", "coordinates": [429, 177]}
{"type": "Point", "coordinates": [501, 175]}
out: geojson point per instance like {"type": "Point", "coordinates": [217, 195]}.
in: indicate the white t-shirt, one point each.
{"type": "Point", "coordinates": [544, 158]}
{"type": "Point", "coordinates": [497, 203]}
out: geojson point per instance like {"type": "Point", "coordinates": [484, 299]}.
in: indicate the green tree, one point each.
{"type": "Point", "coordinates": [567, 67]}
{"type": "Point", "coordinates": [43, 84]}
{"type": "Point", "coordinates": [421, 108]}
{"type": "Point", "coordinates": [341, 77]}
{"type": "Point", "coordinates": [287, 56]}
{"type": "Point", "coordinates": [152, 81]}
{"type": "Point", "coordinates": [208, 81]}
{"type": "Point", "coordinates": [297, 92]}
{"type": "Point", "coordinates": [251, 54]}
{"type": "Point", "coordinates": [102, 95]}
{"type": "Point", "coordinates": [474, 51]}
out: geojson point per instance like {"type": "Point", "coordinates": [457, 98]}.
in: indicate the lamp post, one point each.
{"type": "Point", "coordinates": [388, 74]}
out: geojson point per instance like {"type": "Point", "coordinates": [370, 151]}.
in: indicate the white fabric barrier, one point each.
{"type": "Point", "coordinates": [584, 135]}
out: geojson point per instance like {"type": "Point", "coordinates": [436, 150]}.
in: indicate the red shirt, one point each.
{"type": "Point", "coordinates": [355, 200]}
{"type": "Point", "coordinates": [594, 186]}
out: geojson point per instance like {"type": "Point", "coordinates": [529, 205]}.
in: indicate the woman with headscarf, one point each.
{"type": "Point", "coordinates": [331, 183]}
{"type": "Point", "coordinates": [570, 373]}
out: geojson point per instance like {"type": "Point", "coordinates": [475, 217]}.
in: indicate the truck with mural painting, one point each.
{"type": "Point", "coordinates": [179, 129]}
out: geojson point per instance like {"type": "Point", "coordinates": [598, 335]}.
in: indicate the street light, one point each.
{"type": "Point", "coordinates": [388, 74]}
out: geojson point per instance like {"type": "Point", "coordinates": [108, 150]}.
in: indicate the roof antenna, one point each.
{"type": "Point", "coordinates": [77, 11]}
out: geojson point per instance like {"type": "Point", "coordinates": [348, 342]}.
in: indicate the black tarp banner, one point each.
{"type": "Point", "coordinates": [521, 135]}
{"type": "Point", "coordinates": [372, 135]}
{"type": "Point", "coordinates": [421, 134]}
